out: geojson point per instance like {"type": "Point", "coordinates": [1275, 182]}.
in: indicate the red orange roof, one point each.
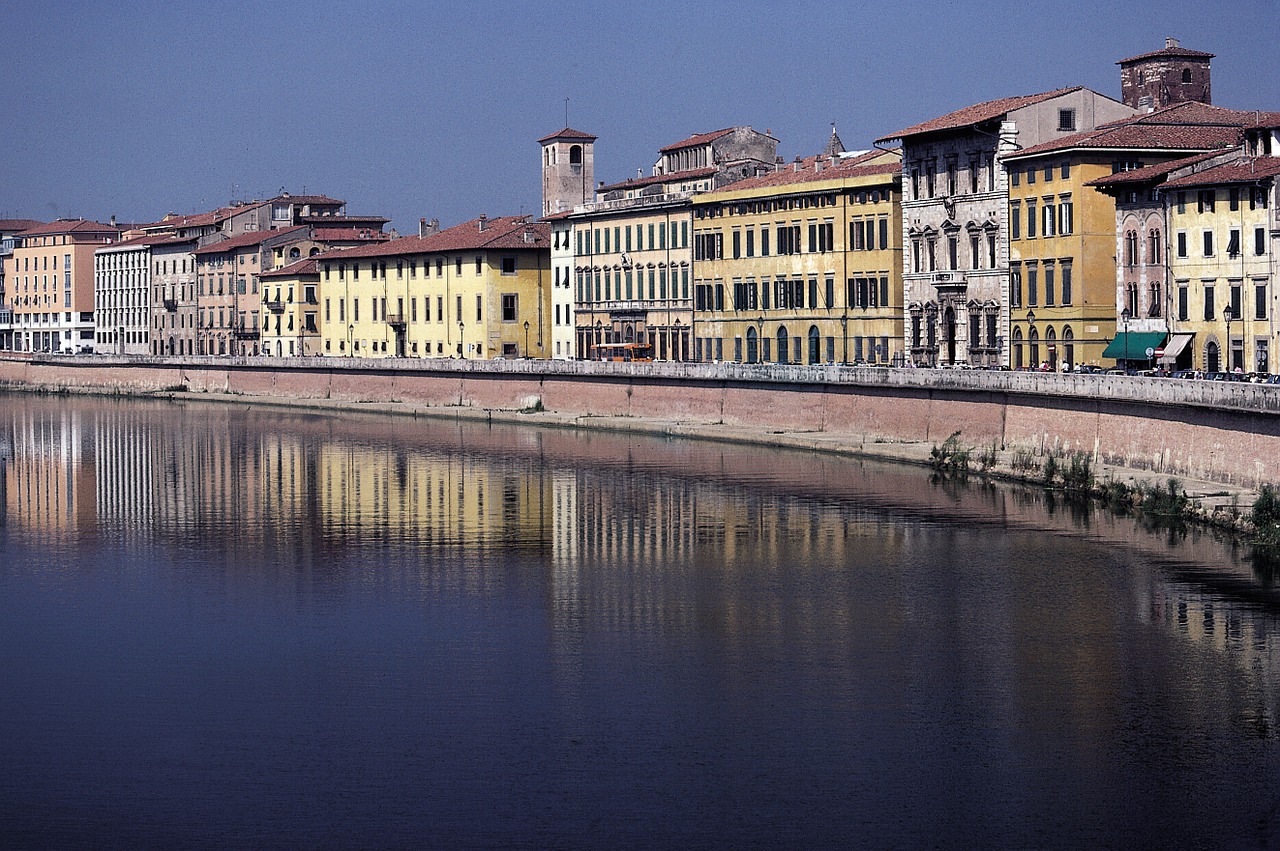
{"type": "Point", "coordinates": [18, 225]}
{"type": "Point", "coordinates": [698, 139]}
{"type": "Point", "coordinates": [253, 237]}
{"type": "Point", "coordinates": [862, 165]}
{"type": "Point", "coordinates": [674, 177]}
{"type": "Point", "coordinates": [70, 226]}
{"type": "Point", "coordinates": [568, 133]}
{"type": "Point", "coordinates": [1169, 52]}
{"type": "Point", "coordinates": [1243, 170]}
{"type": "Point", "coordinates": [976, 114]}
{"type": "Point", "coordinates": [298, 268]}
{"type": "Point", "coordinates": [503, 232]}
{"type": "Point", "coordinates": [1152, 173]}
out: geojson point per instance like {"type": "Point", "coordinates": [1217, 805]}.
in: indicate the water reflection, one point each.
{"type": "Point", "coordinates": [575, 638]}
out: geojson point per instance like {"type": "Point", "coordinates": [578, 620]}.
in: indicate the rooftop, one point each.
{"type": "Point", "coordinates": [1243, 170]}
{"type": "Point", "coordinates": [503, 232]}
{"type": "Point", "coordinates": [866, 164]}
{"type": "Point", "coordinates": [253, 237]}
{"type": "Point", "coordinates": [976, 114]}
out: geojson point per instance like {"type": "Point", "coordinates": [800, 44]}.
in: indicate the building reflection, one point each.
{"type": "Point", "coordinates": [617, 535]}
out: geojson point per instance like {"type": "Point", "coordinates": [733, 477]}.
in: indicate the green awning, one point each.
{"type": "Point", "coordinates": [1133, 345]}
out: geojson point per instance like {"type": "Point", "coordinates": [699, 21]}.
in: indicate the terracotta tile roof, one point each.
{"type": "Point", "coordinates": [976, 114]}
{"type": "Point", "coordinates": [1151, 173]}
{"type": "Point", "coordinates": [341, 220]}
{"type": "Point", "coordinates": [147, 240]}
{"type": "Point", "coordinates": [70, 226]}
{"type": "Point", "coordinates": [348, 234]}
{"type": "Point", "coordinates": [698, 139]}
{"type": "Point", "coordinates": [298, 268]}
{"type": "Point", "coordinates": [1243, 170]}
{"type": "Point", "coordinates": [253, 237]}
{"type": "Point", "coordinates": [503, 232]}
{"type": "Point", "coordinates": [568, 133]}
{"type": "Point", "coordinates": [1169, 52]}
{"type": "Point", "coordinates": [674, 177]}
{"type": "Point", "coordinates": [1139, 136]}
{"type": "Point", "coordinates": [15, 225]}
{"type": "Point", "coordinates": [1193, 112]}
{"type": "Point", "coordinates": [848, 167]}
{"type": "Point", "coordinates": [305, 199]}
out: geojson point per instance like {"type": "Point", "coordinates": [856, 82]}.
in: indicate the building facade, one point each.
{"type": "Point", "coordinates": [50, 273]}
{"type": "Point", "coordinates": [478, 290]}
{"type": "Point", "coordinates": [122, 297]}
{"type": "Point", "coordinates": [955, 210]}
{"type": "Point", "coordinates": [9, 229]}
{"type": "Point", "coordinates": [228, 290]}
{"type": "Point", "coordinates": [1165, 77]}
{"type": "Point", "coordinates": [290, 320]}
{"type": "Point", "coordinates": [802, 265]}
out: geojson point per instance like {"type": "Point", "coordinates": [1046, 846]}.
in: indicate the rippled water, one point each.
{"type": "Point", "coordinates": [236, 626]}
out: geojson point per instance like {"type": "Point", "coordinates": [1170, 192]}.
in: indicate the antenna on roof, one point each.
{"type": "Point", "coordinates": [566, 112]}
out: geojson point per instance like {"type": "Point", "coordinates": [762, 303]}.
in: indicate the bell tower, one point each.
{"type": "Point", "coordinates": [568, 170]}
{"type": "Point", "coordinates": [1165, 77]}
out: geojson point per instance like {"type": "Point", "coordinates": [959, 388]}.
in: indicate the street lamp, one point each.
{"type": "Point", "coordinates": [462, 349]}
{"type": "Point", "coordinates": [526, 338]}
{"type": "Point", "coordinates": [1033, 349]}
{"type": "Point", "coordinates": [1228, 314]}
{"type": "Point", "coordinates": [351, 329]}
{"type": "Point", "coordinates": [759, 358]}
{"type": "Point", "coordinates": [1125, 315]}
{"type": "Point", "coordinates": [677, 350]}
{"type": "Point", "coordinates": [844, 335]}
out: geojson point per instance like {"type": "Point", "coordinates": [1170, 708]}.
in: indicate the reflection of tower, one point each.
{"type": "Point", "coordinates": [568, 170]}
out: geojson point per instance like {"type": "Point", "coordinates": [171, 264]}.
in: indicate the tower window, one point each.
{"type": "Point", "coordinates": [575, 155]}
{"type": "Point", "coordinates": [1186, 75]}
{"type": "Point", "coordinates": [1067, 120]}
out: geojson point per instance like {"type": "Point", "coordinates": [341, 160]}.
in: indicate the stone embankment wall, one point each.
{"type": "Point", "coordinates": [1226, 432]}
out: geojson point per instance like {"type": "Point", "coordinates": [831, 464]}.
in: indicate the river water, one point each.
{"type": "Point", "coordinates": [232, 625]}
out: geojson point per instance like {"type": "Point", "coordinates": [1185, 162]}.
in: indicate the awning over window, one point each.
{"type": "Point", "coordinates": [1174, 348]}
{"type": "Point", "coordinates": [1133, 345]}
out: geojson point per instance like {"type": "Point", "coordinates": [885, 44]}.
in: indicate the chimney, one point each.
{"type": "Point", "coordinates": [113, 221]}
{"type": "Point", "coordinates": [795, 166]}
{"type": "Point", "coordinates": [422, 226]}
{"type": "Point", "coordinates": [483, 223]}
{"type": "Point", "coordinates": [639, 173]}
{"type": "Point", "coordinates": [817, 164]}
{"type": "Point", "coordinates": [1170, 43]}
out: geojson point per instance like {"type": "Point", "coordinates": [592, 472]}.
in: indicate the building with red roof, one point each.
{"type": "Point", "coordinates": [49, 283]}
{"type": "Point", "coordinates": [477, 290]}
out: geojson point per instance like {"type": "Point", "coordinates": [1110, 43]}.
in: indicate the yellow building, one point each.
{"type": "Point", "coordinates": [477, 290]}
{"type": "Point", "coordinates": [803, 265]}
{"type": "Point", "coordinates": [291, 310]}
{"type": "Point", "coordinates": [1222, 262]}
{"type": "Point", "coordinates": [1064, 250]}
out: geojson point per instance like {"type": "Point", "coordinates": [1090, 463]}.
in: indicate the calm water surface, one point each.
{"type": "Point", "coordinates": [230, 626]}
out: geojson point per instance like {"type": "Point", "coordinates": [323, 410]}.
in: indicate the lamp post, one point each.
{"type": "Point", "coordinates": [1228, 314]}
{"type": "Point", "coordinates": [676, 352]}
{"type": "Point", "coordinates": [350, 335]}
{"type": "Point", "coordinates": [526, 338]}
{"type": "Point", "coordinates": [759, 358]}
{"type": "Point", "coordinates": [1033, 349]}
{"type": "Point", "coordinates": [462, 349]}
{"type": "Point", "coordinates": [1125, 315]}
{"type": "Point", "coordinates": [844, 336]}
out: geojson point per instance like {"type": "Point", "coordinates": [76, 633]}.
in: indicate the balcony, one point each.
{"type": "Point", "coordinates": [171, 305]}
{"type": "Point", "coordinates": [395, 320]}
{"type": "Point", "coordinates": [244, 333]}
{"type": "Point", "coordinates": [274, 306]}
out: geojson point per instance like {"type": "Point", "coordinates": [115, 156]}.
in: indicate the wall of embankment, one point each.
{"type": "Point", "coordinates": [1218, 431]}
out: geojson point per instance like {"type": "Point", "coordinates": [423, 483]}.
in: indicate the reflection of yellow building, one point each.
{"type": "Point", "coordinates": [802, 265]}
{"type": "Point", "coordinates": [477, 290]}
{"type": "Point", "coordinates": [291, 310]}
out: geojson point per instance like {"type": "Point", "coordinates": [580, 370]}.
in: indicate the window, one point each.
{"type": "Point", "coordinates": [1205, 201]}
{"type": "Point", "coordinates": [1050, 218]}
{"type": "Point", "coordinates": [1182, 202]}
{"type": "Point", "coordinates": [1208, 243]}
{"type": "Point", "coordinates": [1184, 307]}
{"type": "Point", "coordinates": [1033, 285]}
{"type": "Point", "coordinates": [1208, 302]}
{"type": "Point", "coordinates": [479, 305]}
{"type": "Point", "coordinates": [1153, 247]}
{"type": "Point", "coordinates": [1260, 241]}
{"type": "Point", "coordinates": [1066, 215]}
{"type": "Point", "coordinates": [1015, 220]}
{"type": "Point", "coordinates": [508, 265]}
{"type": "Point", "coordinates": [1049, 271]}
{"type": "Point", "coordinates": [1066, 120]}
{"type": "Point", "coordinates": [1233, 243]}
{"type": "Point", "coordinates": [1182, 243]}
{"type": "Point", "coordinates": [1014, 175]}
{"type": "Point", "coordinates": [510, 307]}
{"type": "Point", "coordinates": [1031, 216]}
{"type": "Point", "coordinates": [1259, 300]}
{"type": "Point", "coordinates": [1233, 199]}
{"type": "Point", "coordinates": [1131, 248]}
{"type": "Point", "coordinates": [1066, 282]}
{"type": "Point", "coordinates": [1186, 75]}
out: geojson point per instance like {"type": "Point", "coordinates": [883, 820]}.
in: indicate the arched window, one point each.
{"type": "Point", "coordinates": [1051, 348]}
{"type": "Point", "coordinates": [575, 155]}
{"type": "Point", "coordinates": [782, 344]}
{"type": "Point", "coordinates": [1033, 340]}
{"type": "Point", "coordinates": [1211, 358]}
{"type": "Point", "coordinates": [1186, 75]}
{"type": "Point", "coordinates": [294, 253]}
{"type": "Point", "coordinates": [752, 346]}
{"type": "Point", "coordinates": [814, 340]}
{"type": "Point", "coordinates": [1018, 363]}
{"type": "Point", "coordinates": [1068, 347]}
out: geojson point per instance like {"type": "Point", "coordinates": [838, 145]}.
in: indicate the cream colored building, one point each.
{"type": "Point", "coordinates": [290, 324]}
{"type": "Point", "coordinates": [477, 290]}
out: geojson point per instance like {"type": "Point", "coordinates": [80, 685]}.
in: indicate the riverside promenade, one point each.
{"type": "Point", "coordinates": [1220, 438]}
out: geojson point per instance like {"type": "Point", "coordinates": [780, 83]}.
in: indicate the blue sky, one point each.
{"type": "Point", "coordinates": [421, 109]}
